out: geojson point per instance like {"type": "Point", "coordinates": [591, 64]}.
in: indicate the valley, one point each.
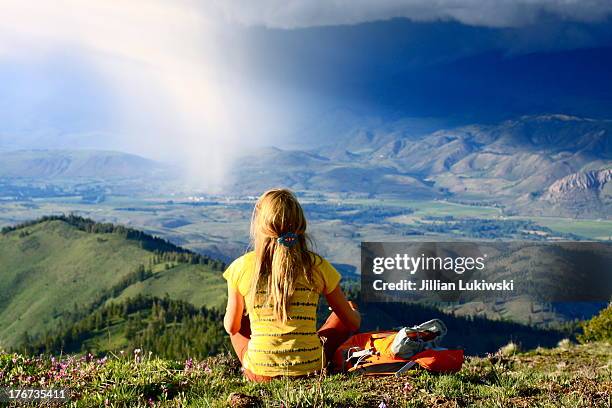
{"type": "Point", "coordinates": [217, 226]}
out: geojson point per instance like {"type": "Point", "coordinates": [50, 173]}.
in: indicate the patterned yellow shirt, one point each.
{"type": "Point", "coordinates": [292, 348]}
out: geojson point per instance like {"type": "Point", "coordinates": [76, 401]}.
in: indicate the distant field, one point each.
{"type": "Point", "coordinates": [592, 229]}
{"type": "Point", "coordinates": [433, 207]}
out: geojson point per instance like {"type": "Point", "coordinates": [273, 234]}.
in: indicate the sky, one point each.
{"type": "Point", "coordinates": [199, 82]}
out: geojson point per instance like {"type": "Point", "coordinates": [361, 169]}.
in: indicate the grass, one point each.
{"type": "Point", "coordinates": [567, 376]}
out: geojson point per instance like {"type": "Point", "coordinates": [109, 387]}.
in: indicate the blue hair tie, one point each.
{"type": "Point", "coordinates": [288, 239]}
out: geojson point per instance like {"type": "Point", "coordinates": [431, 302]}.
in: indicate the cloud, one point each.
{"type": "Point", "coordinates": [174, 74]}
{"type": "Point", "coordinates": [489, 13]}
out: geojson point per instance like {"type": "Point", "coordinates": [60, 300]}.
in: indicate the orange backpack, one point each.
{"type": "Point", "coordinates": [392, 352]}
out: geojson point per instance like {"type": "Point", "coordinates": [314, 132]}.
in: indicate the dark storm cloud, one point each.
{"type": "Point", "coordinates": [501, 13]}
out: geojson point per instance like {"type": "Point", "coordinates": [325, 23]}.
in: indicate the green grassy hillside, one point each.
{"type": "Point", "coordinates": [191, 283]}
{"type": "Point", "coordinates": [56, 269]}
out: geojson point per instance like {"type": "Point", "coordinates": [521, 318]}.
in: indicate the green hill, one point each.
{"type": "Point", "coordinates": [60, 269]}
{"type": "Point", "coordinates": [190, 283]}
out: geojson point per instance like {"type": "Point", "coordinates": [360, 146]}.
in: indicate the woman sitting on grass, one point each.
{"type": "Point", "coordinates": [273, 293]}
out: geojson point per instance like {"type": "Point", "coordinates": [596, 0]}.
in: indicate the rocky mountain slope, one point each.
{"type": "Point", "coordinates": [515, 163]}
{"type": "Point", "coordinates": [584, 192]}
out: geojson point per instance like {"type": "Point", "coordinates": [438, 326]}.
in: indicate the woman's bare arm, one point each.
{"type": "Point", "coordinates": [344, 309]}
{"type": "Point", "coordinates": [233, 311]}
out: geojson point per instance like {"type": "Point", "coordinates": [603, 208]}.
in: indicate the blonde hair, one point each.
{"type": "Point", "coordinates": [277, 266]}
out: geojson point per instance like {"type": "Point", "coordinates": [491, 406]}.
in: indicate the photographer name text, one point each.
{"type": "Point", "coordinates": [435, 285]}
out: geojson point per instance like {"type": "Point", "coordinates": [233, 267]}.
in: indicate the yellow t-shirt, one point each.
{"type": "Point", "coordinates": [292, 348]}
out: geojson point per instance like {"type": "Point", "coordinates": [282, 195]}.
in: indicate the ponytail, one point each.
{"type": "Point", "coordinates": [278, 234]}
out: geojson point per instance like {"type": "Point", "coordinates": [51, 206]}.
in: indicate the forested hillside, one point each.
{"type": "Point", "coordinates": [57, 270]}
{"type": "Point", "coordinates": [169, 328]}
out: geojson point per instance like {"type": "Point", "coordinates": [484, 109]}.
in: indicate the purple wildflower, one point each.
{"type": "Point", "coordinates": [188, 364]}
{"type": "Point", "coordinates": [407, 387]}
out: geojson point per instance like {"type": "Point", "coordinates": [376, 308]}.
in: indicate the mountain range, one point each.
{"type": "Point", "coordinates": [556, 165]}
{"type": "Point", "coordinates": [533, 165]}
{"type": "Point", "coordinates": [50, 164]}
